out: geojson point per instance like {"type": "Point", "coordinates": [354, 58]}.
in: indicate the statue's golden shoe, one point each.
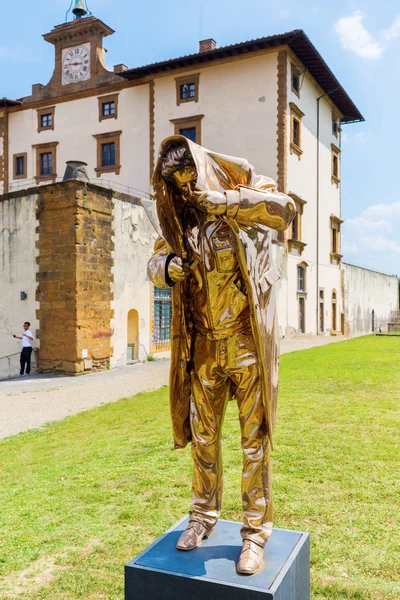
{"type": "Point", "coordinates": [251, 558]}
{"type": "Point", "coordinates": [192, 536]}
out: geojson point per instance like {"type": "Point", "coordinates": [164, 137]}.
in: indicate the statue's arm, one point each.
{"type": "Point", "coordinates": [157, 267]}
{"type": "Point", "coordinates": [269, 207]}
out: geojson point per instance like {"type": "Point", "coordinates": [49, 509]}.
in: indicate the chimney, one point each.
{"type": "Point", "coordinates": [207, 45]}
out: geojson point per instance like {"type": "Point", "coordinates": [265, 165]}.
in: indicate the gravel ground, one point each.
{"type": "Point", "coordinates": [30, 402]}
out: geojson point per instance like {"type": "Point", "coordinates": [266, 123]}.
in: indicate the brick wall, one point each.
{"type": "Point", "coordinates": [74, 278]}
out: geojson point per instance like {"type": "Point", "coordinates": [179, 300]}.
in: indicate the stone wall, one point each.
{"type": "Point", "coordinates": [18, 236]}
{"type": "Point", "coordinates": [134, 239]}
{"type": "Point", "coordinates": [75, 263]}
{"type": "Point", "coordinates": [368, 296]}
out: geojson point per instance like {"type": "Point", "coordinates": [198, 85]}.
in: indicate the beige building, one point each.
{"type": "Point", "coordinates": [272, 100]}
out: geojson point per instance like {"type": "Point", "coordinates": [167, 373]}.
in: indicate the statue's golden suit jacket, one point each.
{"type": "Point", "coordinates": [255, 208]}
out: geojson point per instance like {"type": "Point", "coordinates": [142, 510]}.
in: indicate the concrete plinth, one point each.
{"type": "Point", "coordinates": [163, 573]}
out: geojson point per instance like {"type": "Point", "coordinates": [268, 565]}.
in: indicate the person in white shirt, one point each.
{"type": "Point", "coordinates": [27, 339]}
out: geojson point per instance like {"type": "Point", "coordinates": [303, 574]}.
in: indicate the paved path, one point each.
{"type": "Point", "coordinates": [30, 402]}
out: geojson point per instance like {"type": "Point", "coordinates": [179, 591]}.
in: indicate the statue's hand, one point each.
{"type": "Point", "coordinates": [211, 202]}
{"type": "Point", "coordinates": [177, 270]}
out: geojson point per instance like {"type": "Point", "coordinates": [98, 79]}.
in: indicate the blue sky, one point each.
{"type": "Point", "coordinates": [359, 39]}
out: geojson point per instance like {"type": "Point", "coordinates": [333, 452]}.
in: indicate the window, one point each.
{"type": "Point", "coordinates": [108, 153]}
{"type": "Point", "coordinates": [162, 315]}
{"type": "Point", "coordinates": [295, 129]}
{"type": "Point", "coordinates": [296, 132]}
{"type": "Point", "coordinates": [335, 124]}
{"type": "Point", "coordinates": [20, 166]}
{"type": "Point", "coordinates": [321, 312]}
{"type": "Point", "coordinates": [46, 162]}
{"type": "Point", "coordinates": [190, 127]}
{"type": "Point", "coordinates": [295, 228]}
{"type": "Point", "coordinates": [45, 118]}
{"type": "Point", "coordinates": [189, 132]}
{"type": "Point", "coordinates": [187, 88]}
{"type": "Point", "coordinates": [300, 279]}
{"type": "Point", "coordinates": [302, 295]}
{"type": "Point", "coordinates": [334, 311]}
{"type": "Point", "coordinates": [335, 164]}
{"type": "Point", "coordinates": [296, 85]}
{"type": "Point", "coordinates": [302, 314]}
{"type": "Point", "coordinates": [108, 107]}
{"type": "Point", "coordinates": [295, 243]}
{"type": "Point", "coordinates": [335, 240]}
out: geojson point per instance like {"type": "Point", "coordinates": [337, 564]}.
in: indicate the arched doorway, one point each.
{"type": "Point", "coordinates": [334, 311]}
{"type": "Point", "coordinates": [133, 335]}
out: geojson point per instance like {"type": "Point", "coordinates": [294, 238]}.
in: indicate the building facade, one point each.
{"type": "Point", "coordinates": [272, 100]}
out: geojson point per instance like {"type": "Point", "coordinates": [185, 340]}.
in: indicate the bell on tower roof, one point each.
{"type": "Point", "coordinates": [79, 10]}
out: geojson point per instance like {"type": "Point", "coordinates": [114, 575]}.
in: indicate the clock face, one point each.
{"type": "Point", "coordinates": [76, 64]}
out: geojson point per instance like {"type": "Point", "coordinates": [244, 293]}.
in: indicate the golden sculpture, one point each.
{"type": "Point", "coordinates": [216, 217]}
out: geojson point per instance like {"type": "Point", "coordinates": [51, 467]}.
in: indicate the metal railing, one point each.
{"type": "Point", "coordinates": [12, 366]}
{"type": "Point", "coordinates": [24, 184]}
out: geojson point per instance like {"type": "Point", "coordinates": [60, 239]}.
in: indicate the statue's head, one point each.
{"type": "Point", "coordinates": [178, 168]}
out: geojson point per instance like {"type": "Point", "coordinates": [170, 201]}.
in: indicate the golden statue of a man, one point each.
{"type": "Point", "coordinates": [216, 217]}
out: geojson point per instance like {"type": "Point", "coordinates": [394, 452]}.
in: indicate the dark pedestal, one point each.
{"type": "Point", "coordinates": [208, 573]}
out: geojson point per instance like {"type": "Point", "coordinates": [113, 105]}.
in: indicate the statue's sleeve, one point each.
{"type": "Point", "coordinates": [157, 267]}
{"type": "Point", "coordinates": [258, 201]}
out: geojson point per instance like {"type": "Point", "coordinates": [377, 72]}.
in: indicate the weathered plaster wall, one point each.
{"type": "Point", "coordinates": [134, 239]}
{"type": "Point", "coordinates": [18, 269]}
{"type": "Point", "coordinates": [365, 291]}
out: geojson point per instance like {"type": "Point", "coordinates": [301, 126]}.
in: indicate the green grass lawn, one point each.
{"type": "Point", "coordinates": [79, 498]}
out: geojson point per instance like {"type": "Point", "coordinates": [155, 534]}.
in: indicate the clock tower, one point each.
{"type": "Point", "coordinates": [79, 59]}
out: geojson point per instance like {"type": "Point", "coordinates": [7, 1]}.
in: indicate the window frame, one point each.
{"type": "Point", "coordinates": [303, 278]}
{"type": "Point", "coordinates": [108, 100]}
{"type": "Point", "coordinates": [23, 175]}
{"type": "Point", "coordinates": [47, 148]}
{"type": "Point", "coordinates": [335, 177]}
{"type": "Point", "coordinates": [296, 246]}
{"type": "Point", "coordinates": [103, 139]}
{"type": "Point", "coordinates": [295, 115]}
{"type": "Point", "coordinates": [188, 123]}
{"type": "Point", "coordinates": [335, 255]}
{"type": "Point", "coordinates": [335, 119]}
{"type": "Point", "coordinates": [41, 112]}
{"type": "Point", "coordinates": [193, 78]}
{"type": "Point", "coordinates": [295, 71]}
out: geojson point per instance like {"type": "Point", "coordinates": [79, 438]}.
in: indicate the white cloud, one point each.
{"type": "Point", "coordinates": [380, 244]}
{"type": "Point", "coordinates": [353, 36]}
{"type": "Point", "coordinates": [394, 29]}
{"type": "Point", "coordinates": [350, 248]}
{"type": "Point", "coordinates": [372, 238]}
{"type": "Point", "coordinates": [383, 210]}
{"type": "Point", "coordinates": [364, 223]}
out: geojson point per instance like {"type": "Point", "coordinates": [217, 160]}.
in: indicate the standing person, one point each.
{"type": "Point", "coordinates": [27, 339]}
{"type": "Point", "coordinates": [217, 217]}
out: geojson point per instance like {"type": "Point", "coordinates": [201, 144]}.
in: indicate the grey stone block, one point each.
{"type": "Point", "coordinates": [208, 573]}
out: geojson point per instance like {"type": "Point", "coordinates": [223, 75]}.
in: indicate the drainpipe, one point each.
{"type": "Point", "coordinates": [317, 250]}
